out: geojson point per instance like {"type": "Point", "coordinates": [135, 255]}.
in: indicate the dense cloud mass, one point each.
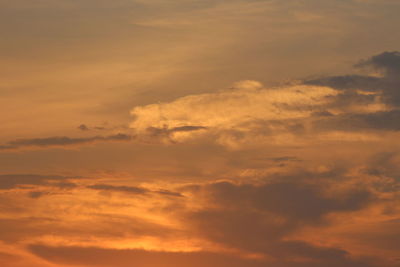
{"type": "Point", "coordinates": [367, 89]}
{"type": "Point", "coordinates": [349, 105]}
{"type": "Point", "coordinates": [354, 105]}
{"type": "Point", "coordinates": [247, 107]}
{"type": "Point", "coordinates": [230, 223]}
{"type": "Point", "coordinates": [259, 218]}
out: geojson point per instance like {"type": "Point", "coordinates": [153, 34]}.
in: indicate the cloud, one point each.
{"type": "Point", "coordinates": [83, 127]}
{"type": "Point", "coordinates": [291, 114]}
{"type": "Point", "coordinates": [387, 85]}
{"type": "Point", "coordinates": [63, 141]}
{"type": "Point", "coordinates": [252, 222]}
{"type": "Point", "coordinates": [103, 127]}
{"type": "Point", "coordinates": [17, 229]}
{"type": "Point", "coordinates": [229, 108]}
{"type": "Point", "coordinates": [287, 197]}
{"type": "Point", "coordinates": [285, 159]}
{"type": "Point", "coordinates": [132, 190]}
{"type": "Point", "coordinates": [288, 114]}
{"type": "Point", "coordinates": [53, 188]}
{"type": "Point", "coordinates": [169, 134]}
{"type": "Point", "coordinates": [9, 181]}
{"type": "Point", "coordinates": [298, 201]}
{"type": "Point", "coordinates": [389, 62]}
{"type": "Point", "coordinates": [229, 114]}
{"type": "Point", "coordinates": [94, 227]}
{"type": "Point", "coordinates": [383, 120]}
{"type": "Point", "coordinates": [37, 194]}
{"type": "Point", "coordinates": [93, 256]}
{"type": "Point", "coordinates": [126, 189]}
{"type": "Point", "coordinates": [259, 217]}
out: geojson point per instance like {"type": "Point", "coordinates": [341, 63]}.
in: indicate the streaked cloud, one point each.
{"type": "Point", "coordinates": [132, 190]}
{"type": "Point", "coordinates": [63, 141]}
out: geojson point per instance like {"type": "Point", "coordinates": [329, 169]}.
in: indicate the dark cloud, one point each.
{"type": "Point", "coordinates": [83, 127]}
{"type": "Point", "coordinates": [132, 190]}
{"type": "Point", "coordinates": [62, 141]}
{"type": "Point", "coordinates": [349, 82]}
{"type": "Point", "coordinates": [364, 90]}
{"type": "Point", "coordinates": [387, 86]}
{"type": "Point", "coordinates": [167, 133]}
{"type": "Point", "coordinates": [259, 218]}
{"type": "Point", "coordinates": [385, 164]}
{"type": "Point", "coordinates": [125, 189]}
{"type": "Point", "coordinates": [100, 128]}
{"type": "Point", "coordinates": [389, 62]}
{"type": "Point", "coordinates": [135, 257]}
{"type": "Point", "coordinates": [10, 181]}
{"type": "Point", "coordinates": [187, 128]}
{"type": "Point", "coordinates": [168, 193]}
{"type": "Point", "coordinates": [348, 87]}
{"type": "Point", "coordinates": [322, 114]}
{"type": "Point", "coordinates": [383, 120]}
{"type": "Point", "coordinates": [63, 186]}
{"type": "Point", "coordinates": [7, 147]}
{"type": "Point", "coordinates": [298, 201]}
{"type": "Point", "coordinates": [285, 159]}
{"type": "Point", "coordinates": [37, 194]}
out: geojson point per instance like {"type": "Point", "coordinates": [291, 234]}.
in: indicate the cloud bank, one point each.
{"type": "Point", "coordinates": [354, 105]}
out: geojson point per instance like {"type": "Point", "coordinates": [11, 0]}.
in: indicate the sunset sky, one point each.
{"type": "Point", "coordinates": [199, 133]}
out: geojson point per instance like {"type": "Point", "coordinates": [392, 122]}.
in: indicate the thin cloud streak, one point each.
{"type": "Point", "coordinates": [63, 141]}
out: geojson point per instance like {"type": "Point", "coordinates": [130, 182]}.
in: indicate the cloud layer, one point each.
{"type": "Point", "coordinates": [303, 174]}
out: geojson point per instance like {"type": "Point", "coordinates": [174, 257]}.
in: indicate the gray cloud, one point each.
{"type": "Point", "coordinates": [364, 90]}
{"type": "Point", "coordinates": [93, 256]}
{"type": "Point", "coordinates": [10, 181]}
{"type": "Point", "coordinates": [37, 194]}
{"type": "Point", "coordinates": [125, 189]}
{"type": "Point", "coordinates": [83, 127]}
{"type": "Point", "coordinates": [383, 120]}
{"type": "Point", "coordinates": [388, 63]}
{"type": "Point", "coordinates": [127, 258]}
{"type": "Point", "coordinates": [259, 218]}
{"type": "Point", "coordinates": [285, 159]}
{"type": "Point", "coordinates": [132, 190]}
{"type": "Point", "coordinates": [348, 82]}
{"type": "Point", "coordinates": [300, 201]}
{"type": "Point", "coordinates": [62, 141]}
{"type": "Point", "coordinates": [63, 186]}
{"type": "Point", "coordinates": [167, 133]}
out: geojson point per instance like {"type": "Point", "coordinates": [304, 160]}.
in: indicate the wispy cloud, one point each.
{"type": "Point", "coordinates": [63, 141]}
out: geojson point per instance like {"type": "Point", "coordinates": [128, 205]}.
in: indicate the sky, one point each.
{"type": "Point", "coordinates": [201, 133]}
